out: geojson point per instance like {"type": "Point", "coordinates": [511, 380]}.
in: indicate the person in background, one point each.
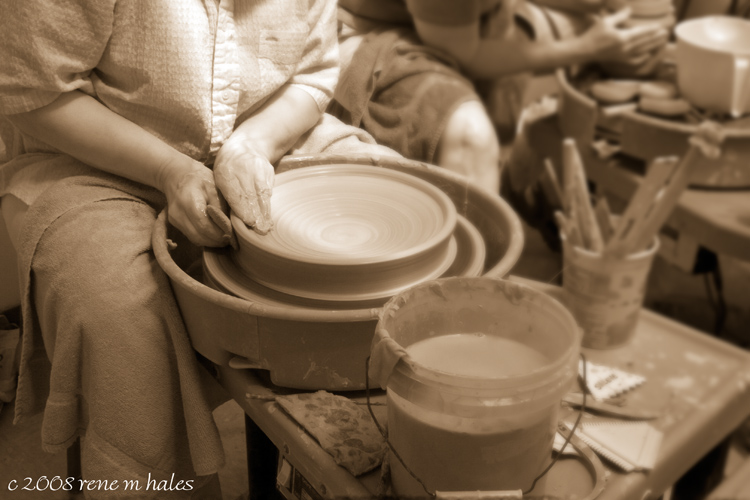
{"type": "Point", "coordinates": [111, 112]}
{"type": "Point", "coordinates": [434, 79]}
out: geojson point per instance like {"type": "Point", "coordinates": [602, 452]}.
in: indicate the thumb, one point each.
{"type": "Point", "coordinates": [263, 186]}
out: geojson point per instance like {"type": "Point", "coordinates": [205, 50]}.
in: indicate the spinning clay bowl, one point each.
{"type": "Point", "coordinates": [322, 346]}
{"type": "Point", "coordinates": [349, 233]}
{"type": "Point", "coordinates": [220, 271]}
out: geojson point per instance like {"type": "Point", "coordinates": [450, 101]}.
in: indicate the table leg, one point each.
{"type": "Point", "coordinates": [262, 462]}
{"type": "Point", "coordinates": [704, 476]}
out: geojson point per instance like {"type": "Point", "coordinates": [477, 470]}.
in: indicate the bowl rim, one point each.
{"type": "Point", "coordinates": [442, 237]}
{"type": "Point", "coordinates": [682, 27]}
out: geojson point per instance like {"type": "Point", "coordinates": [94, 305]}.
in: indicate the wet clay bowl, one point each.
{"type": "Point", "coordinates": [222, 273]}
{"type": "Point", "coordinates": [349, 233]}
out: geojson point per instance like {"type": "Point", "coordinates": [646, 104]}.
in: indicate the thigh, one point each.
{"type": "Point", "coordinates": [106, 312]}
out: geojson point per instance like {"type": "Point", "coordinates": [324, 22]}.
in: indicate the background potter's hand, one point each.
{"type": "Point", "coordinates": [611, 42]}
{"type": "Point", "coordinates": [189, 192]}
{"type": "Point", "coordinates": [245, 179]}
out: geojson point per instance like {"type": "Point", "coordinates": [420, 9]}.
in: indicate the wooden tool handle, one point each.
{"type": "Point", "coordinates": [660, 190]}
{"type": "Point", "coordinates": [578, 198]}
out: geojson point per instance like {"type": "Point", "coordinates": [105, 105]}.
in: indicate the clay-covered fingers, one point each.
{"type": "Point", "coordinates": [246, 182]}
{"type": "Point", "coordinates": [187, 208]}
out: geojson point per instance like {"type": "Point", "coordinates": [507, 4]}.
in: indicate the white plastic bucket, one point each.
{"type": "Point", "coordinates": [458, 432]}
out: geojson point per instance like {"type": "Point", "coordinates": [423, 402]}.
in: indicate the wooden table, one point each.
{"type": "Point", "coordinates": [718, 220]}
{"type": "Point", "coordinates": [698, 384]}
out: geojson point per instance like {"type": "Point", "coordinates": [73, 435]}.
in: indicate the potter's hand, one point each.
{"type": "Point", "coordinates": [610, 42]}
{"type": "Point", "coordinates": [190, 189]}
{"type": "Point", "coordinates": [245, 178]}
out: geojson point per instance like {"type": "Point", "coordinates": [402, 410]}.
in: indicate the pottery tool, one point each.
{"type": "Point", "coordinates": [345, 430]}
{"type": "Point", "coordinates": [551, 185]}
{"type": "Point", "coordinates": [568, 229]}
{"type": "Point", "coordinates": [220, 219]}
{"type": "Point", "coordinates": [605, 382]}
{"type": "Point", "coordinates": [631, 446]}
{"type": "Point", "coordinates": [657, 195]}
{"type": "Point", "coordinates": [575, 400]}
{"type": "Point", "coordinates": [578, 198]}
{"type": "Point", "coordinates": [604, 218]}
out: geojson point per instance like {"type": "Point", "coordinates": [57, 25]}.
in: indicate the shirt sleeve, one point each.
{"type": "Point", "coordinates": [318, 69]}
{"type": "Point", "coordinates": [48, 48]}
{"type": "Point", "coordinates": [445, 12]}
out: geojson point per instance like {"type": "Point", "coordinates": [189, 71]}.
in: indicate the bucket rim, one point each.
{"type": "Point", "coordinates": [526, 380]}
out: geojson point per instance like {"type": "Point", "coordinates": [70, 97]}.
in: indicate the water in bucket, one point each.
{"type": "Point", "coordinates": [474, 369]}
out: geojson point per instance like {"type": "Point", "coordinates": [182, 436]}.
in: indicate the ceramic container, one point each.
{"type": "Point", "coordinates": [349, 233]}
{"type": "Point", "coordinates": [713, 63]}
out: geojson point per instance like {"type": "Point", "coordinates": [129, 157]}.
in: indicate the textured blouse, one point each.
{"type": "Point", "coordinates": [187, 71]}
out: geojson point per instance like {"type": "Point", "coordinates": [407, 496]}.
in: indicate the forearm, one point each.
{"type": "Point", "coordinates": [574, 6]}
{"type": "Point", "coordinates": [79, 125]}
{"type": "Point", "coordinates": [495, 58]}
{"type": "Point", "coordinates": [272, 130]}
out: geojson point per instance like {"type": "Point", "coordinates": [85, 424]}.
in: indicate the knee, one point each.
{"type": "Point", "coordinates": [470, 146]}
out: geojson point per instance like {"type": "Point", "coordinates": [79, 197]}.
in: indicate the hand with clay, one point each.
{"type": "Point", "coordinates": [612, 42]}
{"type": "Point", "coordinates": [245, 179]}
{"type": "Point", "coordinates": [243, 169]}
{"type": "Point", "coordinates": [190, 191]}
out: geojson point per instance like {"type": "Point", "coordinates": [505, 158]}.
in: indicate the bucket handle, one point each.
{"type": "Point", "coordinates": [484, 495]}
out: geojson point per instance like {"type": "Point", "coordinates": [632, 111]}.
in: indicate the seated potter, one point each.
{"type": "Point", "coordinates": [417, 74]}
{"type": "Point", "coordinates": [111, 112]}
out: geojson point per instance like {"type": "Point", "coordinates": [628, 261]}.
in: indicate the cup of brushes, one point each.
{"type": "Point", "coordinates": [607, 258]}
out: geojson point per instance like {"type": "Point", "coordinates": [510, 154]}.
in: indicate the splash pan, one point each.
{"type": "Point", "coordinates": [319, 348]}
